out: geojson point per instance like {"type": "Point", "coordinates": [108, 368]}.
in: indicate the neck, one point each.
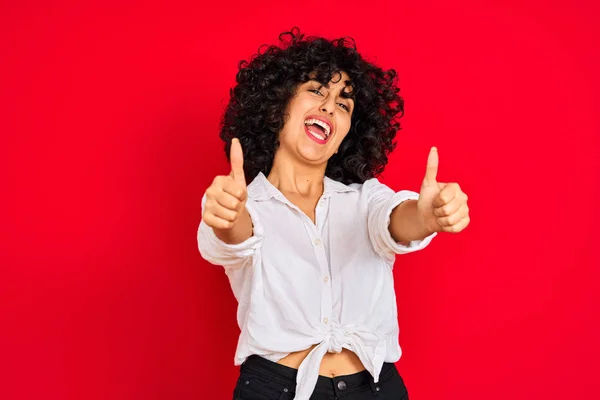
{"type": "Point", "coordinates": [291, 177]}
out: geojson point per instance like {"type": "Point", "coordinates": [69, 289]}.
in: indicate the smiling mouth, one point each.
{"type": "Point", "coordinates": [317, 129]}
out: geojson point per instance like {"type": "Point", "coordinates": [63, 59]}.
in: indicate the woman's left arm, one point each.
{"type": "Point", "coordinates": [441, 207]}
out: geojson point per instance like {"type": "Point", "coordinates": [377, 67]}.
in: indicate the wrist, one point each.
{"type": "Point", "coordinates": [407, 223]}
{"type": "Point", "coordinates": [426, 227]}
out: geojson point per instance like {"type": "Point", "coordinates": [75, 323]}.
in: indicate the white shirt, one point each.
{"type": "Point", "coordinates": [330, 283]}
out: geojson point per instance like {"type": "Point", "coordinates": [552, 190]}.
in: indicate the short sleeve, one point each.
{"type": "Point", "coordinates": [381, 202]}
{"type": "Point", "coordinates": [217, 252]}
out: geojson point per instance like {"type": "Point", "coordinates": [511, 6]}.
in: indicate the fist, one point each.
{"type": "Point", "coordinates": [226, 196]}
{"type": "Point", "coordinates": [442, 206]}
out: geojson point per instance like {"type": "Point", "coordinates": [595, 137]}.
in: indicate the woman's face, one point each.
{"type": "Point", "coordinates": [317, 120]}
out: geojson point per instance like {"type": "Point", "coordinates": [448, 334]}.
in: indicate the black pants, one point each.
{"type": "Point", "coordinates": [261, 379]}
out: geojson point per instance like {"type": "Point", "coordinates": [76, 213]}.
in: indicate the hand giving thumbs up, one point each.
{"type": "Point", "coordinates": [226, 196]}
{"type": "Point", "coordinates": [442, 206]}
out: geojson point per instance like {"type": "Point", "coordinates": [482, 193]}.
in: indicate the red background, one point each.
{"type": "Point", "coordinates": [109, 119]}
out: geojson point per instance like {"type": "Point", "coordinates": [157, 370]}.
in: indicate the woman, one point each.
{"type": "Point", "coordinates": [310, 243]}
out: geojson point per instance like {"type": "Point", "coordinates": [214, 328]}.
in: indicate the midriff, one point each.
{"type": "Point", "coordinates": [333, 364]}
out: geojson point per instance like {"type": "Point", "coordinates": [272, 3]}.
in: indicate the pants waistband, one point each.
{"type": "Point", "coordinates": [325, 386]}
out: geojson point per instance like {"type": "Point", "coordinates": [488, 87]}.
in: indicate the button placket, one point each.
{"type": "Point", "coordinates": [322, 260]}
{"type": "Point", "coordinates": [326, 300]}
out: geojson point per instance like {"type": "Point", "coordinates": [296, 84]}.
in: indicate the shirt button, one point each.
{"type": "Point", "coordinates": [325, 320]}
{"type": "Point", "coordinates": [326, 279]}
{"type": "Point", "coordinates": [317, 242]}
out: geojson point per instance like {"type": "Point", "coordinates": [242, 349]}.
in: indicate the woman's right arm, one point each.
{"type": "Point", "coordinates": [226, 230]}
{"type": "Point", "coordinates": [225, 207]}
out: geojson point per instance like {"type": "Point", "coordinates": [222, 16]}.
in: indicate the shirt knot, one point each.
{"type": "Point", "coordinates": [336, 339]}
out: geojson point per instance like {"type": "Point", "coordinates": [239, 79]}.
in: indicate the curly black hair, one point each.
{"type": "Point", "coordinates": [266, 83]}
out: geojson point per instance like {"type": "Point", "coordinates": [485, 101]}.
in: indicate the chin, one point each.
{"type": "Point", "coordinates": [314, 157]}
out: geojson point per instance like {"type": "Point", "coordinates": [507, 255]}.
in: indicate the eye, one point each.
{"type": "Point", "coordinates": [345, 107]}
{"type": "Point", "coordinates": [316, 91]}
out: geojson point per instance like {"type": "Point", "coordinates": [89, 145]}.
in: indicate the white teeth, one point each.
{"type": "Point", "coordinates": [316, 135]}
{"type": "Point", "coordinates": [322, 124]}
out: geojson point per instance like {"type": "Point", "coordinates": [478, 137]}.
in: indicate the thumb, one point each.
{"type": "Point", "coordinates": [236, 156]}
{"type": "Point", "coordinates": [432, 167]}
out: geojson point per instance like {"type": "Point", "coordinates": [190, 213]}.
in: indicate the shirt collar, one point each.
{"type": "Point", "coordinates": [261, 189]}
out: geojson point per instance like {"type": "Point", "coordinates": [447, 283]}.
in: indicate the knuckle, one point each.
{"type": "Point", "coordinates": [208, 220]}
{"type": "Point", "coordinates": [223, 214]}
{"type": "Point", "coordinates": [227, 225]}
{"type": "Point", "coordinates": [220, 214]}
{"type": "Point", "coordinates": [233, 216]}
{"type": "Point", "coordinates": [208, 212]}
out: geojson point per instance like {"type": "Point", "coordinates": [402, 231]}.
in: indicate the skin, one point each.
{"type": "Point", "coordinates": [299, 164]}
{"type": "Point", "coordinates": [298, 172]}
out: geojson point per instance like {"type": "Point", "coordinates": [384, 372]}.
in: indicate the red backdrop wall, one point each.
{"type": "Point", "coordinates": [109, 125]}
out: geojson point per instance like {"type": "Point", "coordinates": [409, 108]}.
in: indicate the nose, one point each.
{"type": "Point", "coordinates": [328, 105]}
{"type": "Point", "coordinates": [326, 110]}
